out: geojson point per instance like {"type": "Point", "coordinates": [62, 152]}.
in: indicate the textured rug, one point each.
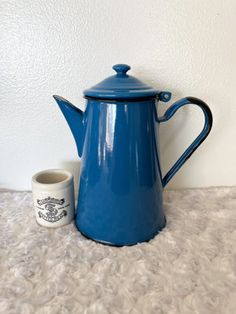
{"type": "Point", "coordinates": [190, 267]}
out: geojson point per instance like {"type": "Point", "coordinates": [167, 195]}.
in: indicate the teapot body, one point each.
{"type": "Point", "coordinates": [120, 193]}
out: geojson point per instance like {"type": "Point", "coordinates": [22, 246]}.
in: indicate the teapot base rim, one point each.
{"type": "Point", "coordinates": [89, 237]}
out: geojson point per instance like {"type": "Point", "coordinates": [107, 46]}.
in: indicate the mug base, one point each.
{"type": "Point", "coordinates": [50, 226]}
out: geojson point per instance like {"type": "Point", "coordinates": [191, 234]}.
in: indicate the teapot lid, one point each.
{"type": "Point", "coordinates": [121, 86]}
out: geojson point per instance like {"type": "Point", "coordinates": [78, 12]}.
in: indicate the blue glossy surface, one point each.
{"type": "Point", "coordinates": [120, 194]}
{"type": "Point", "coordinates": [201, 137]}
{"type": "Point", "coordinates": [75, 119]}
{"type": "Point", "coordinates": [121, 86]}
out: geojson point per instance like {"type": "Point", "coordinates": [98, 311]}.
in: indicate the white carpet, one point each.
{"type": "Point", "coordinates": [190, 267]}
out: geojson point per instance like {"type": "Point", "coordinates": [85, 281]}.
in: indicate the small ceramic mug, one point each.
{"type": "Point", "coordinates": [53, 197]}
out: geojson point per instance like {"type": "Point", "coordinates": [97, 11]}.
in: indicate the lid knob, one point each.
{"type": "Point", "coordinates": [121, 69]}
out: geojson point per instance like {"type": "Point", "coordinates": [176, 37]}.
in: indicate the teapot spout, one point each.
{"type": "Point", "coordinates": [75, 119]}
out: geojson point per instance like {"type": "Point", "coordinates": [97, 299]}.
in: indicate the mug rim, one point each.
{"type": "Point", "coordinates": [60, 184]}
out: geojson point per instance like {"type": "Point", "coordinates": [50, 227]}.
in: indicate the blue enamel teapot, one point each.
{"type": "Point", "coordinates": [121, 183]}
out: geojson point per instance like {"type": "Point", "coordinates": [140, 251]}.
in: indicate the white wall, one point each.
{"type": "Point", "coordinates": [62, 47]}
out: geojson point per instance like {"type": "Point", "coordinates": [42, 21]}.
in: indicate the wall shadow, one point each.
{"type": "Point", "coordinates": [74, 167]}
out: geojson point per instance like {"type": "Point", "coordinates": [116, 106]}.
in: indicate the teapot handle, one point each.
{"type": "Point", "coordinates": [196, 143]}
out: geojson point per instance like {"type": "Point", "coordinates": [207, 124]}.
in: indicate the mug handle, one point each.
{"type": "Point", "coordinates": [197, 142]}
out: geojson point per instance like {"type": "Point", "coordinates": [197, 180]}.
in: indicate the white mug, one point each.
{"type": "Point", "coordinates": [53, 197]}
